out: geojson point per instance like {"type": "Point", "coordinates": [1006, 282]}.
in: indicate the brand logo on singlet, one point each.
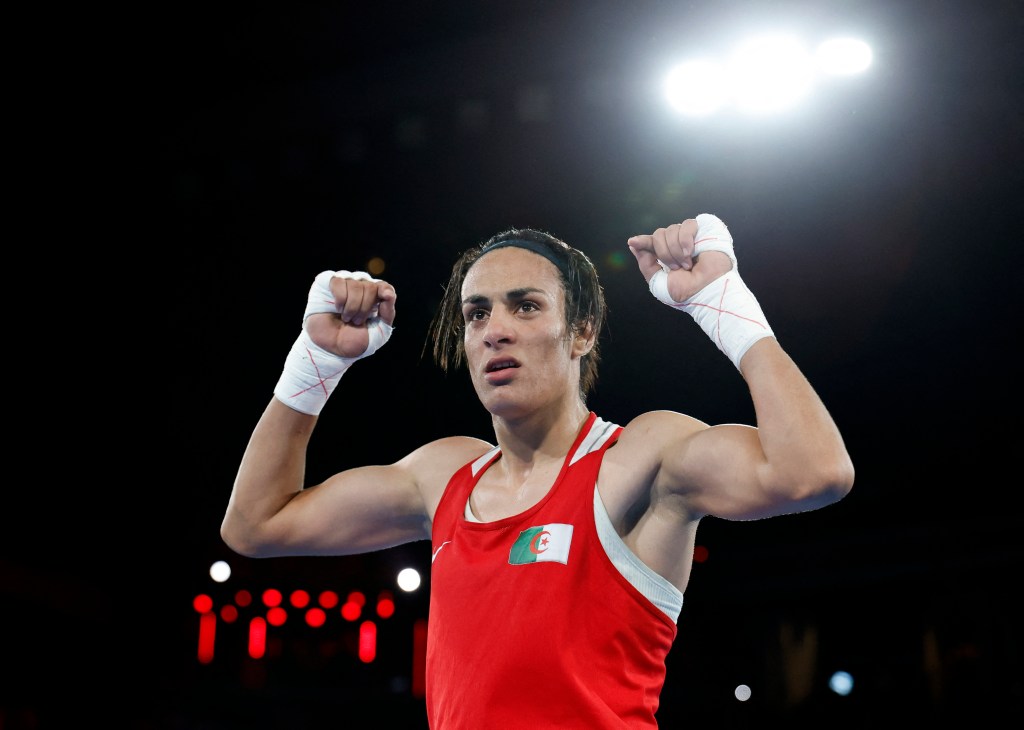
{"type": "Point", "coordinates": [542, 544]}
{"type": "Point", "coordinates": [434, 556]}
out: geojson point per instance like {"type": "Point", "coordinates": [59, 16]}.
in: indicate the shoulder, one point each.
{"type": "Point", "coordinates": [644, 445]}
{"type": "Point", "coordinates": [455, 447]}
{"type": "Point", "coordinates": [438, 460]}
{"type": "Point", "coordinates": [655, 429]}
{"type": "Point", "coordinates": [447, 452]}
{"type": "Point", "coordinates": [432, 465]}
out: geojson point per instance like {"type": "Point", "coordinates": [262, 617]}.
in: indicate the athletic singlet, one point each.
{"type": "Point", "coordinates": [530, 622]}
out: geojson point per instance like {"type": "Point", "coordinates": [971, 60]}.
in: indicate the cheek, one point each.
{"type": "Point", "coordinates": [557, 351]}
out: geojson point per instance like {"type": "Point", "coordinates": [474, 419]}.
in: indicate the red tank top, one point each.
{"type": "Point", "coordinates": [530, 624]}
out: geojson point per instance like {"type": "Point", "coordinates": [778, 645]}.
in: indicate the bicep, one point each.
{"type": "Point", "coordinates": [355, 511]}
{"type": "Point", "coordinates": [372, 507]}
{"type": "Point", "coordinates": [722, 471]}
{"type": "Point", "coordinates": [704, 470]}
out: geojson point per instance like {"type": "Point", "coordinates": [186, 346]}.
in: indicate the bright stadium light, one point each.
{"type": "Point", "coordinates": [843, 56]}
{"type": "Point", "coordinates": [697, 88]}
{"type": "Point", "coordinates": [770, 74]}
{"type": "Point", "coordinates": [763, 74]}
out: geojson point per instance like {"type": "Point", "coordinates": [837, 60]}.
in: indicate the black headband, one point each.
{"type": "Point", "coordinates": [537, 248]}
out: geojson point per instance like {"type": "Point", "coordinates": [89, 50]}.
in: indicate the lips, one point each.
{"type": "Point", "coordinates": [499, 370]}
{"type": "Point", "coordinates": [500, 364]}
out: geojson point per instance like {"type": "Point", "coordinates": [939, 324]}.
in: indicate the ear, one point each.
{"type": "Point", "coordinates": [583, 341]}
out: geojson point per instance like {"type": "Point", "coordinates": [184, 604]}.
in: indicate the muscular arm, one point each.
{"type": "Point", "coordinates": [271, 512]}
{"type": "Point", "coordinates": [792, 460]}
{"type": "Point", "coordinates": [359, 510]}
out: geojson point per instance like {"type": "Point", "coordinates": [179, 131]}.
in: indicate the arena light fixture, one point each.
{"type": "Point", "coordinates": [763, 74]}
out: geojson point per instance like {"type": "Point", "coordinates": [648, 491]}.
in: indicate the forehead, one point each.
{"type": "Point", "coordinates": [510, 268]}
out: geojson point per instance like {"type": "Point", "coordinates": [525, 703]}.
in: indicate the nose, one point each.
{"type": "Point", "coordinates": [499, 329]}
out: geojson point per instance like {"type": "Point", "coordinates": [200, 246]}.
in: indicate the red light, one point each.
{"type": "Point", "coordinates": [229, 614]}
{"type": "Point", "coordinates": [419, 658]}
{"type": "Point", "coordinates": [202, 603]}
{"type": "Point", "coordinates": [276, 616]}
{"type": "Point", "coordinates": [351, 611]}
{"type": "Point", "coordinates": [367, 641]}
{"type": "Point", "coordinates": [329, 599]}
{"type": "Point", "coordinates": [385, 607]}
{"type": "Point", "coordinates": [243, 598]}
{"type": "Point", "coordinates": [207, 634]}
{"type": "Point", "coordinates": [357, 598]}
{"type": "Point", "coordinates": [257, 638]}
{"type": "Point", "coordinates": [316, 617]}
{"type": "Point", "coordinates": [271, 597]}
{"type": "Point", "coordinates": [300, 599]}
{"type": "Point", "coordinates": [700, 554]}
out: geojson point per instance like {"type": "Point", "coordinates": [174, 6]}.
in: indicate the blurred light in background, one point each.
{"type": "Point", "coordinates": [299, 598]}
{"type": "Point", "coordinates": [266, 622]}
{"type": "Point", "coordinates": [257, 637]}
{"type": "Point", "coordinates": [843, 56]}
{"type": "Point", "coordinates": [700, 553]}
{"type": "Point", "coordinates": [328, 599]}
{"type": "Point", "coordinates": [316, 617]}
{"type": "Point", "coordinates": [385, 605]}
{"type": "Point", "coordinates": [770, 74]}
{"type": "Point", "coordinates": [762, 75]}
{"type": "Point", "coordinates": [697, 88]}
{"type": "Point", "coordinates": [376, 266]}
{"type": "Point", "coordinates": [841, 683]}
{"type": "Point", "coordinates": [408, 579]}
{"type": "Point", "coordinates": [276, 616]}
{"type": "Point", "coordinates": [367, 641]}
{"type": "Point", "coordinates": [352, 609]}
{"type": "Point", "coordinates": [220, 571]}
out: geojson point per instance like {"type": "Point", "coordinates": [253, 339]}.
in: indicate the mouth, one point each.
{"type": "Point", "coordinates": [500, 370]}
{"type": "Point", "coordinates": [500, 364]}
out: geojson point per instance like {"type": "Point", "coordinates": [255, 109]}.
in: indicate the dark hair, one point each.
{"type": "Point", "coordinates": [585, 305]}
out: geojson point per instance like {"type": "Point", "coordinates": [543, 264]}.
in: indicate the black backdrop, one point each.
{"type": "Point", "coordinates": [221, 157]}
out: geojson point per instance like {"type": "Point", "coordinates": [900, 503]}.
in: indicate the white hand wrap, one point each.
{"type": "Point", "coordinates": [725, 309]}
{"type": "Point", "coordinates": [310, 372]}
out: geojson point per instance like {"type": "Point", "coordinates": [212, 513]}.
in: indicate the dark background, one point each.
{"type": "Point", "coordinates": [199, 165]}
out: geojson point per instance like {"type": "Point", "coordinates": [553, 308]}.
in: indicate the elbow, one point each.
{"type": "Point", "coordinates": [844, 483]}
{"type": "Point", "coordinates": [240, 540]}
{"type": "Point", "coordinates": [813, 488]}
{"type": "Point", "coordinates": [833, 481]}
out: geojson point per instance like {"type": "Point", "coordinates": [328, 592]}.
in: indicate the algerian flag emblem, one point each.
{"type": "Point", "coordinates": [542, 544]}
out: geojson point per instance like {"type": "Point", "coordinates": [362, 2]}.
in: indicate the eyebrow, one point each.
{"type": "Point", "coordinates": [512, 294]}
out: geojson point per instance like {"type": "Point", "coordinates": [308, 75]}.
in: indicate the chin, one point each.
{"type": "Point", "coordinates": [503, 407]}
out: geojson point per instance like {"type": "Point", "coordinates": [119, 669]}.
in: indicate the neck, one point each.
{"type": "Point", "coordinates": [540, 436]}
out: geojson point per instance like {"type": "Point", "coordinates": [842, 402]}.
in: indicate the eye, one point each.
{"type": "Point", "coordinates": [475, 315]}
{"type": "Point", "coordinates": [528, 307]}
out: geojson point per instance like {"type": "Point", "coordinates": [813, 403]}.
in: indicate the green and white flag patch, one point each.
{"type": "Point", "coordinates": [542, 544]}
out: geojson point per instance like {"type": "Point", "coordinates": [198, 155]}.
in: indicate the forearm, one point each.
{"type": "Point", "coordinates": [347, 318]}
{"type": "Point", "coordinates": [805, 457]}
{"type": "Point", "coordinates": [271, 473]}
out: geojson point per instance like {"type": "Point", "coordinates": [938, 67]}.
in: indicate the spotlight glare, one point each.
{"type": "Point", "coordinates": [770, 73]}
{"type": "Point", "coordinates": [697, 88]}
{"type": "Point", "coordinates": [843, 56]}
